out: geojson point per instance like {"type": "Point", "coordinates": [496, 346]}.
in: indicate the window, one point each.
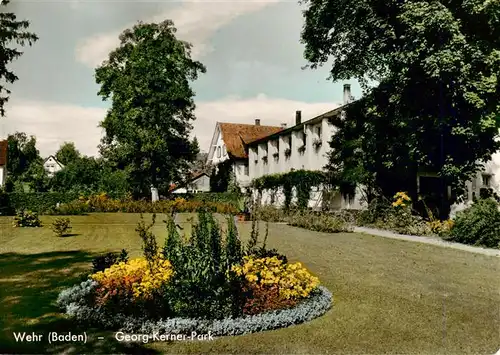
{"type": "Point", "coordinates": [218, 152]}
{"type": "Point", "coordinates": [304, 135]}
{"type": "Point", "coordinates": [246, 169]}
{"type": "Point", "coordinates": [224, 151]}
{"type": "Point", "coordinates": [318, 132]}
{"type": "Point", "coordinates": [486, 180]}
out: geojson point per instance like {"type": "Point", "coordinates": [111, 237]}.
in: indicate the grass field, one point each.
{"type": "Point", "coordinates": [390, 296]}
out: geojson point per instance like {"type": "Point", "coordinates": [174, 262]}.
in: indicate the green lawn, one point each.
{"type": "Point", "coordinates": [390, 296]}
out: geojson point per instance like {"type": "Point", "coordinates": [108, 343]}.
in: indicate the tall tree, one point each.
{"type": "Point", "coordinates": [24, 164]}
{"type": "Point", "coordinates": [147, 128]}
{"type": "Point", "coordinates": [67, 153]}
{"type": "Point", "coordinates": [436, 106]}
{"type": "Point", "coordinates": [12, 31]}
{"type": "Point", "coordinates": [21, 153]}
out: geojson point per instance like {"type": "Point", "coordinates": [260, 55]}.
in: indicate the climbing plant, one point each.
{"type": "Point", "coordinates": [303, 180]}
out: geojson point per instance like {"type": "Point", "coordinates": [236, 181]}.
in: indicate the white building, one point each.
{"type": "Point", "coordinates": [199, 182]}
{"type": "Point", "coordinates": [230, 141]}
{"type": "Point", "coordinates": [301, 147]}
{"type": "Point", "coordinates": [304, 146]}
{"type": "Point", "coordinates": [52, 165]}
{"type": "Point", "coordinates": [3, 162]}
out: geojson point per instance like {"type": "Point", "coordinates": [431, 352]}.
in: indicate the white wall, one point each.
{"type": "Point", "coordinates": [219, 150]}
{"type": "Point", "coordinates": [3, 175]}
{"type": "Point", "coordinates": [311, 159]}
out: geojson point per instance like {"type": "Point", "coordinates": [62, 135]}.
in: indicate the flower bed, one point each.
{"type": "Point", "coordinates": [317, 304]}
{"type": "Point", "coordinates": [204, 283]}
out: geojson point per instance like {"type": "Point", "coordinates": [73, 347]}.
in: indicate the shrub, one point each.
{"type": "Point", "coordinates": [61, 226]}
{"type": "Point", "coordinates": [202, 286]}
{"type": "Point", "coordinates": [40, 202]}
{"type": "Point", "coordinates": [270, 213]}
{"type": "Point", "coordinates": [321, 222]}
{"type": "Point", "coordinates": [478, 225]}
{"type": "Point", "coordinates": [25, 218]}
{"type": "Point", "coordinates": [441, 228]}
{"type": "Point", "coordinates": [273, 284]}
{"type": "Point", "coordinates": [72, 208]}
{"type": "Point", "coordinates": [106, 261]}
{"type": "Point", "coordinates": [132, 280]}
{"type": "Point", "coordinates": [396, 216]}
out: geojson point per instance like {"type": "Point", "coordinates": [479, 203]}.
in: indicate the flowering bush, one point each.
{"type": "Point", "coordinates": [26, 219]}
{"type": "Point", "coordinates": [441, 228]}
{"type": "Point", "coordinates": [401, 199]}
{"type": "Point", "coordinates": [274, 284]}
{"type": "Point", "coordinates": [135, 279]}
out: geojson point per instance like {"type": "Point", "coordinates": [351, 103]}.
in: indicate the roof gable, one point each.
{"type": "Point", "coordinates": [52, 158]}
{"type": "Point", "coordinates": [236, 136]}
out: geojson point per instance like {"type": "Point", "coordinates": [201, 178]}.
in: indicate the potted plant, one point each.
{"type": "Point", "coordinates": [264, 159]}
{"type": "Point", "coordinates": [317, 143]}
{"type": "Point", "coordinates": [302, 149]}
{"type": "Point", "coordinates": [276, 155]}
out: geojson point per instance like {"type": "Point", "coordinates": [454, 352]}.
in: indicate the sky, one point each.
{"type": "Point", "coordinates": [251, 49]}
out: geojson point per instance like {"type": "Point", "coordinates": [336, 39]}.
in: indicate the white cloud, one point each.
{"type": "Point", "coordinates": [54, 124]}
{"type": "Point", "coordinates": [196, 23]}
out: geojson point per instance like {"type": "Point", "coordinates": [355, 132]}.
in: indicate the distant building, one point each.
{"type": "Point", "coordinates": [3, 162]}
{"type": "Point", "coordinates": [198, 182]}
{"type": "Point", "coordinates": [52, 165]}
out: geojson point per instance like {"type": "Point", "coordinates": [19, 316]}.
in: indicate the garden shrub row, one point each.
{"type": "Point", "coordinates": [56, 203]}
{"type": "Point", "coordinates": [101, 203]}
{"type": "Point", "coordinates": [33, 201]}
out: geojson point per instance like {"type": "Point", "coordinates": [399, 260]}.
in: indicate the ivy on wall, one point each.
{"type": "Point", "coordinates": [302, 180]}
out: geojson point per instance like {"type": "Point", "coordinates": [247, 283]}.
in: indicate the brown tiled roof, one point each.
{"type": "Point", "coordinates": [3, 152]}
{"type": "Point", "coordinates": [236, 135]}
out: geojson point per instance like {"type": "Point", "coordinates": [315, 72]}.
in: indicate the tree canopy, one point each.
{"type": "Point", "coordinates": [147, 78]}
{"type": "Point", "coordinates": [67, 153]}
{"type": "Point", "coordinates": [24, 163]}
{"type": "Point", "coordinates": [12, 32]}
{"type": "Point", "coordinates": [436, 105]}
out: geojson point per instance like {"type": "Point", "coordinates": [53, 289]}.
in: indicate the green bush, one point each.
{"type": "Point", "coordinates": [61, 226]}
{"type": "Point", "coordinates": [73, 208]}
{"type": "Point", "coordinates": [105, 261]}
{"type": "Point", "coordinates": [399, 219]}
{"type": "Point", "coordinates": [39, 202]}
{"type": "Point", "coordinates": [203, 285]}
{"type": "Point", "coordinates": [25, 218]}
{"type": "Point", "coordinates": [478, 225]}
{"type": "Point", "coordinates": [270, 213]}
{"type": "Point", "coordinates": [321, 222]}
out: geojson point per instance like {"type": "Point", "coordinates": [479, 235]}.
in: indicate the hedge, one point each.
{"type": "Point", "coordinates": [34, 201]}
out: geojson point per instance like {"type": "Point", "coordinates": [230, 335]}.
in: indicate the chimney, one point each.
{"type": "Point", "coordinates": [298, 117]}
{"type": "Point", "coordinates": [347, 93]}
{"type": "Point", "coordinates": [257, 122]}
{"type": "Point", "coordinates": [283, 125]}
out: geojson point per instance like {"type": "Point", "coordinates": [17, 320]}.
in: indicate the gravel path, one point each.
{"type": "Point", "coordinates": [427, 240]}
